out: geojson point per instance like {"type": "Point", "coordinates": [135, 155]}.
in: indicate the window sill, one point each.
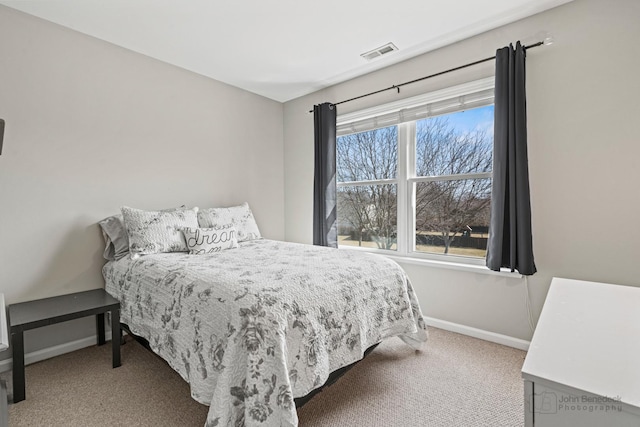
{"type": "Point", "coordinates": [471, 268]}
{"type": "Point", "coordinates": [424, 262]}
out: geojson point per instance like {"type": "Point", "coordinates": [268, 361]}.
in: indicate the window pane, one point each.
{"type": "Point", "coordinates": [455, 143]}
{"type": "Point", "coordinates": [452, 217]}
{"type": "Point", "coordinates": [367, 216]}
{"type": "Point", "coordinates": [367, 155]}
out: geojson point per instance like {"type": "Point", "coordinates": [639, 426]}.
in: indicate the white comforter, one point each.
{"type": "Point", "coordinates": [252, 328]}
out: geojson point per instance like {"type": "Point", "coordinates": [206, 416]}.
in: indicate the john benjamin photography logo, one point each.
{"type": "Point", "coordinates": [549, 403]}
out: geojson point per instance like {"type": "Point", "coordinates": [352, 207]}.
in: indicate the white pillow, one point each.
{"type": "Point", "coordinates": [210, 240]}
{"type": "Point", "coordinates": [238, 216]}
{"type": "Point", "coordinates": [153, 232]}
{"type": "Point", "coordinates": [115, 236]}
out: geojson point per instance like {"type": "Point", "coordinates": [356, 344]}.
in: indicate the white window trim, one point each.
{"type": "Point", "coordinates": [425, 261]}
{"type": "Point", "coordinates": [459, 177]}
{"type": "Point", "coordinates": [368, 182]}
{"type": "Point", "coordinates": [427, 98]}
{"type": "Point", "coordinates": [406, 179]}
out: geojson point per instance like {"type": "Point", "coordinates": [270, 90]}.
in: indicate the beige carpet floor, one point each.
{"type": "Point", "coordinates": [454, 381]}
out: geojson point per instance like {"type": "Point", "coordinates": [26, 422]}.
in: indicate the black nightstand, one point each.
{"type": "Point", "coordinates": [34, 314]}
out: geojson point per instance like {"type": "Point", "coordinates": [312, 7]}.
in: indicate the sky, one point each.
{"type": "Point", "coordinates": [471, 120]}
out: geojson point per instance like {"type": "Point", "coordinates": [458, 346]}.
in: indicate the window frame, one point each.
{"type": "Point", "coordinates": [406, 178]}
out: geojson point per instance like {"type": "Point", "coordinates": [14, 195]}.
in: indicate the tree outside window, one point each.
{"type": "Point", "coordinates": [449, 185]}
{"type": "Point", "coordinates": [367, 210]}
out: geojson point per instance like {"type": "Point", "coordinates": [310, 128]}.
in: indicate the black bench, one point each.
{"type": "Point", "coordinates": [35, 314]}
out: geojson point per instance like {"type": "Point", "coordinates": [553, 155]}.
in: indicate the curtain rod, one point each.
{"type": "Point", "coordinates": [429, 76]}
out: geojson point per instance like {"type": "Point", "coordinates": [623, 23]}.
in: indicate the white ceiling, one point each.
{"type": "Point", "coordinates": [281, 49]}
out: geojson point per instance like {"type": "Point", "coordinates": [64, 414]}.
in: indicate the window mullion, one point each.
{"type": "Point", "coordinates": [410, 215]}
{"type": "Point", "coordinates": [402, 190]}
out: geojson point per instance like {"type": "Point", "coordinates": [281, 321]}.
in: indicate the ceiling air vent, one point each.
{"type": "Point", "coordinates": [382, 50]}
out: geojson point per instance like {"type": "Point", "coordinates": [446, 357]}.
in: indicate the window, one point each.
{"type": "Point", "coordinates": [414, 177]}
{"type": "Point", "coordinates": [366, 165]}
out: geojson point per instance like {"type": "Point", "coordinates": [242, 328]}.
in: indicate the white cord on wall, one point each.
{"type": "Point", "coordinates": [527, 303]}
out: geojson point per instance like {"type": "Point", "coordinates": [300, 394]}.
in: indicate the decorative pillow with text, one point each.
{"type": "Point", "coordinates": [210, 240]}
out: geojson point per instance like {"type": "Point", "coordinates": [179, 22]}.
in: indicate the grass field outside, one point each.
{"type": "Point", "coordinates": [346, 240]}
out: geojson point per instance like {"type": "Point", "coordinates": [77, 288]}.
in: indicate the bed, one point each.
{"type": "Point", "coordinates": [254, 328]}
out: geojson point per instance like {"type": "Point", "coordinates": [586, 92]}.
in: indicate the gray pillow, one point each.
{"type": "Point", "coordinates": [115, 237]}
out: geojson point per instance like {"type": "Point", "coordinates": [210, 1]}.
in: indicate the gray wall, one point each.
{"type": "Point", "coordinates": [91, 127]}
{"type": "Point", "coordinates": [583, 150]}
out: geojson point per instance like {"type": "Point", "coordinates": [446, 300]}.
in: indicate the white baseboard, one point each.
{"type": "Point", "coordinates": [57, 350]}
{"type": "Point", "coordinates": [478, 333]}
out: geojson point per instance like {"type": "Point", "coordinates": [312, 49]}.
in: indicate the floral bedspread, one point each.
{"type": "Point", "coordinates": [252, 328]}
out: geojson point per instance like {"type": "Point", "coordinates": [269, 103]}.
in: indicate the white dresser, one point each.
{"type": "Point", "coordinates": [583, 364]}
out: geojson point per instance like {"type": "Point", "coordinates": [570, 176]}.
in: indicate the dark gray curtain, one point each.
{"type": "Point", "coordinates": [1, 133]}
{"type": "Point", "coordinates": [510, 241]}
{"type": "Point", "coordinates": [325, 214]}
